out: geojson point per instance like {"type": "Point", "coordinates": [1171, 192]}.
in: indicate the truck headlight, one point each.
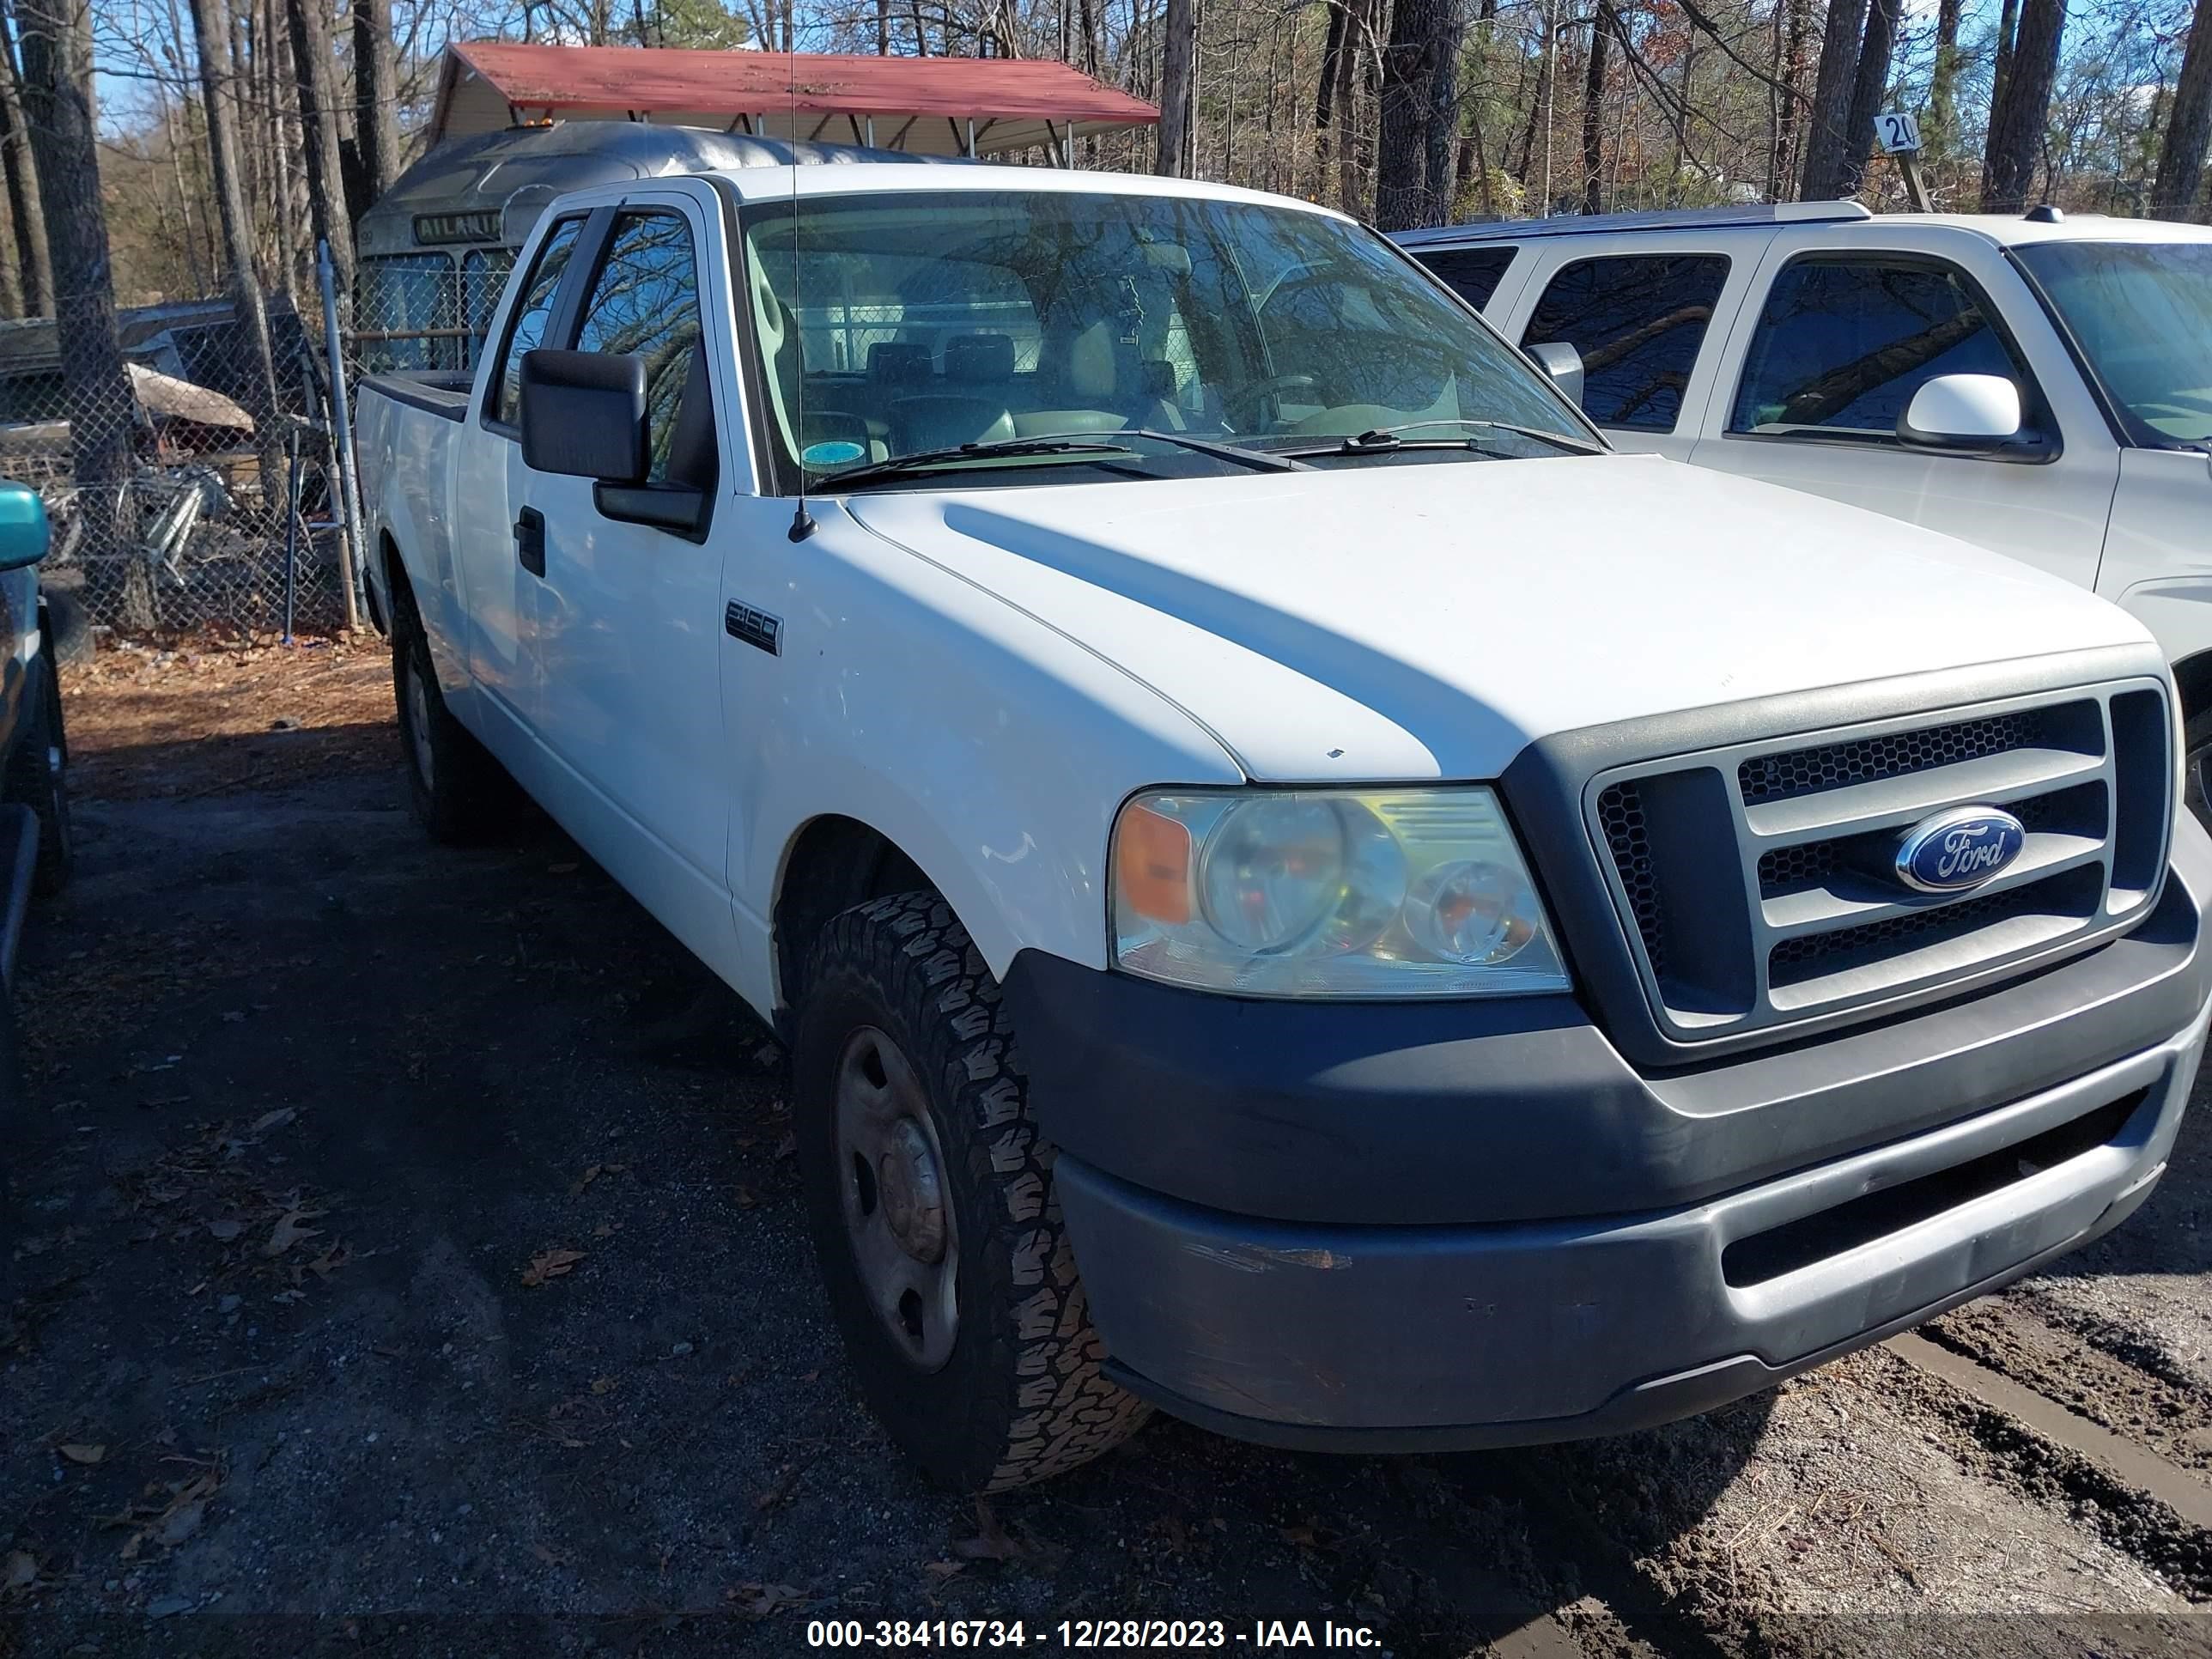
{"type": "Point", "coordinates": [1329, 893]}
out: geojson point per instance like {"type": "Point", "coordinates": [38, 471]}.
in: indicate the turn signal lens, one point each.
{"type": "Point", "coordinates": [1329, 893]}
{"type": "Point", "coordinates": [1152, 866]}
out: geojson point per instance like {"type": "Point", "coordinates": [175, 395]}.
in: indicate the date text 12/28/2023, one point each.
{"type": "Point", "coordinates": [930, 1635]}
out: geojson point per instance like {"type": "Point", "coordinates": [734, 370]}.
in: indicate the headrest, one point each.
{"type": "Point", "coordinates": [898, 361]}
{"type": "Point", "coordinates": [974, 357]}
{"type": "Point", "coordinates": [1091, 362]}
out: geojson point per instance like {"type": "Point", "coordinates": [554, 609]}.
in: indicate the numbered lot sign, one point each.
{"type": "Point", "coordinates": [1898, 134]}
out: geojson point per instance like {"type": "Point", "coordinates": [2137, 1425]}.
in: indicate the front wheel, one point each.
{"type": "Point", "coordinates": [931, 1206]}
{"type": "Point", "coordinates": [38, 773]}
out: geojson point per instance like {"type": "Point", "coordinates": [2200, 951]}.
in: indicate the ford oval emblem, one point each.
{"type": "Point", "coordinates": [1958, 849]}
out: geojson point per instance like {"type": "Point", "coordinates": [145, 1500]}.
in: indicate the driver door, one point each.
{"type": "Point", "coordinates": [629, 615]}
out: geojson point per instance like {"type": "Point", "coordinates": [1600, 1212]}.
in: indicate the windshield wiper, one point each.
{"type": "Point", "coordinates": [1378, 439]}
{"type": "Point", "coordinates": [1085, 443]}
{"type": "Point", "coordinates": [922, 461]}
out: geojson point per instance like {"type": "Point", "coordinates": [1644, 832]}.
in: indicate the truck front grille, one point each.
{"type": "Point", "coordinates": [1757, 886]}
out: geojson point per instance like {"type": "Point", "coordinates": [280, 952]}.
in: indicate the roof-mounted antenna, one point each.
{"type": "Point", "coordinates": [802, 521]}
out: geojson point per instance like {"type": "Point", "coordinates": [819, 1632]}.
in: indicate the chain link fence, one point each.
{"type": "Point", "coordinates": [189, 474]}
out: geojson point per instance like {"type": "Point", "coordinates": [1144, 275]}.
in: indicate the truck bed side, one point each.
{"type": "Point", "coordinates": [405, 430]}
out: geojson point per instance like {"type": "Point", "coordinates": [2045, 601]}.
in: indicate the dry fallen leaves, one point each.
{"type": "Point", "coordinates": [178, 1519]}
{"type": "Point", "coordinates": [992, 1541]}
{"type": "Point", "coordinates": [79, 1452]}
{"type": "Point", "coordinates": [761, 1600]}
{"type": "Point", "coordinates": [291, 1227]}
{"type": "Point", "coordinates": [19, 1572]}
{"type": "Point", "coordinates": [549, 1264]}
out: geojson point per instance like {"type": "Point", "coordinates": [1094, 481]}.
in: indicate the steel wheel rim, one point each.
{"type": "Point", "coordinates": [418, 727]}
{"type": "Point", "coordinates": [896, 1200]}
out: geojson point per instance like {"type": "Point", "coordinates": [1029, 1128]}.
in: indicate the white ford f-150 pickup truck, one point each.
{"type": "Point", "coordinates": [1301, 889]}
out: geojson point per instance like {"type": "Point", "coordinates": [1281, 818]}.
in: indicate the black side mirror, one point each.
{"type": "Point", "coordinates": [583, 414]}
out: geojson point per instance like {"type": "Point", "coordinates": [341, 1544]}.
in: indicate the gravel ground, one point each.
{"type": "Point", "coordinates": [412, 1261]}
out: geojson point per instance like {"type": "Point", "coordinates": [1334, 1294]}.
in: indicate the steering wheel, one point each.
{"type": "Point", "coordinates": [1244, 402]}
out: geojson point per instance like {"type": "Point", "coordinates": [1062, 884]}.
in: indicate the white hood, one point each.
{"type": "Point", "coordinates": [1388, 622]}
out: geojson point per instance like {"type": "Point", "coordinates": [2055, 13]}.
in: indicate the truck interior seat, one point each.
{"type": "Point", "coordinates": [982, 366]}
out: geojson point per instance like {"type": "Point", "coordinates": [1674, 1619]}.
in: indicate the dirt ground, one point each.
{"type": "Point", "coordinates": [411, 1262]}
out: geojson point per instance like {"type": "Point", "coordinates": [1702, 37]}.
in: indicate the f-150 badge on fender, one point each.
{"type": "Point", "coordinates": [1958, 849]}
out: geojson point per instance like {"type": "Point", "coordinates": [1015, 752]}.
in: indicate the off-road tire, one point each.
{"type": "Point", "coordinates": [1021, 1397]}
{"type": "Point", "coordinates": [38, 774]}
{"type": "Point", "coordinates": [467, 795]}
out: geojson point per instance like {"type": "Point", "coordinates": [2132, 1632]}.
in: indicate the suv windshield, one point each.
{"type": "Point", "coordinates": [2143, 312]}
{"type": "Point", "coordinates": [913, 324]}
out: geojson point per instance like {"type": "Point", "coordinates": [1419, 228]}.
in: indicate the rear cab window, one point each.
{"type": "Point", "coordinates": [1638, 322]}
{"type": "Point", "coordinates": [1472, 273]}
{"type": "Point", "coordinates": [1844, 341]}
{"type": "Point", "coordinates": [533, 312]}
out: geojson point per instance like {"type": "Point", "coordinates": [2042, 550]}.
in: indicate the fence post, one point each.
{"type": "Point", "coordinates": [351, 541]}
{"type": "Point", "coordinates": [291, 526]}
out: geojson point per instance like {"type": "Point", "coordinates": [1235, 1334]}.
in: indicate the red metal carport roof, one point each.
{"type": "Point", "coordinates": [1011, 101]}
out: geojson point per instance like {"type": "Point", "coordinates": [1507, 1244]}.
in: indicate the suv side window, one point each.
{"type": "Point", "coordinates": [1843, 345]}
{"type": "Point", "coordinates": [1638, 320]}
{"type": "Point", "coordinates": [1471, 273]}
{"type": "Point", "coordinates": [645, 302]}
{"type": "Point", "coordinates": [533, 310]}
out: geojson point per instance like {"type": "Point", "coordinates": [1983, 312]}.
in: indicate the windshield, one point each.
{"type": "Point", "coordinates": [2143, 312]}
{"type": "Point", "coordinates": [907, 325]}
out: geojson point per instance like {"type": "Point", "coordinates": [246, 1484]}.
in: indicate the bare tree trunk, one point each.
{"type": "Point", "coordinates": [237, 239]}
{"type": "Point", "coordinates": [1826, 122]}
{"type": "Point", "coordinates": [2018, 118]}
{"type": "Point", "coordinates": [2007, 30]}
{"type": "Point", "coordinates": [1540, 103]}
{"type": "Point", "coordinates": [1867, 92]}
{"type": "Point", "coordinates": [27, 214]}
{"type": "Point", "coordinates": [1350, 195]}
{"type": "Point", "coordinates": [1594, 111]}
{"type": "Point", "coordinates": [284, 92]}
{"type": "Point", "coordinates": [1943, 85]}
{"type": "Point", "coordinates": [1410, 63]}
{"type": "Point", "coordinates": [1178, 50]}
{"type": "Point", "coordinates": [1331, 50]}
{"type": "Point", "coordinates": [319, 123]}
{"type": "Point", "coordinates": [63, 123]}
{"type": "Point", "coordinates": [2189, 128]}
{"type": "Point", "coordinates": [1443, 116]}
{"type": "Point", "coordinates": [1786, 89]}
{"type": "Point", "coordinates": [882, 28]}
{"type": "Point", "coordinates": [376, 95]}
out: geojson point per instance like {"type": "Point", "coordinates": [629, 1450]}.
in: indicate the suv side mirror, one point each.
{"type": "Point", "coordinates": [1563, 364]}
{"type": "Point", "coordinates": [1963, 411]}
{"type": "Point", "coordinates": [23, 532]}
{"type": "Point", "coordinates": [583, 414]}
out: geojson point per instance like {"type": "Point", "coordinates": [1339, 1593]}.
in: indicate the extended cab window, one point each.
{"type": "Point", "coordinates": [1843, 345]}
{"type": "Point", "coordinates": [1472, 273]}
{"type": "Point", "coordinates": [646, 303]}
{"type": "Point", "coordinates": [533, 310]}
{"type": "Point", "coordinates": [1638, 321]}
